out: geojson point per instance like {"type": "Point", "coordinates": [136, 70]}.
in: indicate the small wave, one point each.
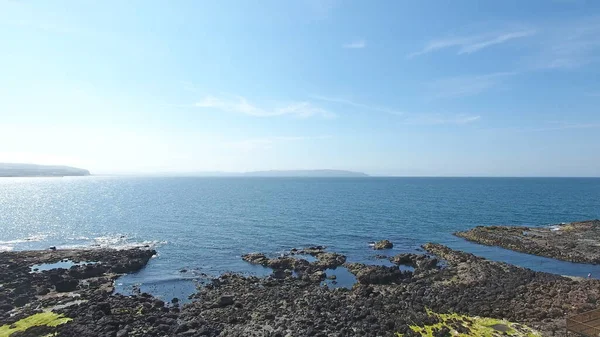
{"type": "Point", "coordinates": [4, 248]}
{"type": "Point", "coordinates": [119, 242]}
{"type": "Point", "coordinates": [33, 238]}
{"type": "Point", "coordinates": [78, 238]}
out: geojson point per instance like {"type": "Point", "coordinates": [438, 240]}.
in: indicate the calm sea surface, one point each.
{"type": "Point", "coordinates": [203, 225]}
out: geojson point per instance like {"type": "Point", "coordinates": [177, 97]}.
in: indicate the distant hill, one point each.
{"type": "Point", "coordinates": [273, 173]}
{"type": "Point", "coordinates": [32, 170]}
{"type": "Point", "coordinates": [305, 173]}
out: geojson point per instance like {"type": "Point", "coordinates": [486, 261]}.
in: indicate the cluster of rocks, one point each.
{"type": "Point", "coordinates": [288, 264]}
{"type": "Point", "coordinates": [574, 242]}
{"type": "Point", "coordinates": [422, 265]}
{"type": "Point", "coordinates": [385, 301]}
{"type": "Point", "coordinates": [23, 290]}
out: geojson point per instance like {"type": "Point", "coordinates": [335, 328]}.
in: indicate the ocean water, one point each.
{"type": "Point", "coordinates": [204, 225]}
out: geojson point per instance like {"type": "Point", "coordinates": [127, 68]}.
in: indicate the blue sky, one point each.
{"type": "Point", "coordinates": [449, 88]}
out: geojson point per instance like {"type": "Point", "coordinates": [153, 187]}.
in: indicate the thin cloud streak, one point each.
{"type": "Point", "coordinates": [570, 45]}
{"type": "Point", "coordinates": [471, 48]}
{"type": "Point", "coordinates": [243, 106]}
{"type": "Point", "coordinates": [357, 105]}
{"type": "Point", "coordinates": [357, 44]}
{"type": "Point", "coordinates": [409, 118]}
{"type": "Point", "coordinates": [471, 44]}
{"type": "Point", "coordinates": [270, 142]}
{"type": "Point", "coordinates": [439, 119]}
{"type": "Point", "coordinates": [566, 126]}
{"type": "Point", "coordinates": [467, 85]}
{"type": "Point", "coordinates": [556, 127]}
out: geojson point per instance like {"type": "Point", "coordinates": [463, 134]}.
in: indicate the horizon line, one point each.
{"type": "Point", "coordinates": [367, 175]}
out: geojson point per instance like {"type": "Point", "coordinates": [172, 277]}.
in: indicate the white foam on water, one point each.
{"type": "Point", "coordinates": [5, 248]}
{"type": "Point", "coordinates": [78, 238]}
{"type": "Point", "coordinates": [33, 238]}
{"type": "Point", "coordinates": [117, 241]}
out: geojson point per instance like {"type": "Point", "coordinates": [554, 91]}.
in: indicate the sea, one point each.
{"type": "Point", "coordinates": [200, 226]}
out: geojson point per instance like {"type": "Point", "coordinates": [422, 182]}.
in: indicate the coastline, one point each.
{"type": "Point", "coordinates": [577, 242]}
{"type": "Point", "coordinates": [445, 291]}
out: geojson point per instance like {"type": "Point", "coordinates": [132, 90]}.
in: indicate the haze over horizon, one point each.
{"type": "Point", "coordinates": [447, 88]}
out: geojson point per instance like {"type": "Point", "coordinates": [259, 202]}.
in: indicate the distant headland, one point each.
{"type": "Point", "coordinates": [305, 173]}
{"type": "Point", "coordinates": [33, 170]}
{"type": "Point", "coordinates": [322, 173]}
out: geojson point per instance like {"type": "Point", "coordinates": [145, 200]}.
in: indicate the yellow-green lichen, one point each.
{"type": "Point", "coordinates": [463, 325]}
{"type": "Point", "coordinates": [45, 318]}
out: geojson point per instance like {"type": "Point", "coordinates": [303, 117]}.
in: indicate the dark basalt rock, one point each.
{"type": "Point", "coordinates": [368, 274]}
{"type": "Point", "coordinates": [383, 244]}
{"type": "Point", "coordinates": [330, 260]}
{"type": "Point", "coordinates": [574, 242]}
{"type": "Point", "coordinates": [325, 260]}
{"type": "Point", "coordinates": [417, 261]}
{"type": "Point", "coordinates": [25, 290]}
{"type": "Point", "coordinates": [66, 285]}
{"type": "Point", "coordinates": [385, 301]}
{"type": "Point", "coordinates": [256, 258]}
{"type": "Point", "coordinates": [313, 251]}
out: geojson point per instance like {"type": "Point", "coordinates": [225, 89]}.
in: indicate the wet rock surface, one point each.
{"type": "Point", "coordinates": [383, 244]}
{"type": "Point", "coordinates": [385, 300]}
{"type": "Point", "coordinates": [573, 242]}
{"type": "Point", "coordinates": [24, 291]}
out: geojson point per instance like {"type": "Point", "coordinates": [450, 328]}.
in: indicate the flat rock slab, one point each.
{"type": "Point", "coordinates": [574, 242]}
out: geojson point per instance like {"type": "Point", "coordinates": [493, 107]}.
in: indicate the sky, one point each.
{"type": "Point", "coordinates": [406, 88]}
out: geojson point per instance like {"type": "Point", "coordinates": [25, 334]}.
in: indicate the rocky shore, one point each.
{"type": "Point", "coordinates": [447, 293]}
{"type": "Point", "coordinates": [573, 242]}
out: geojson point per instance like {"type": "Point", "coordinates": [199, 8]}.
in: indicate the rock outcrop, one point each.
{"type": "Point", "coordinates": [383, 244]}
{"type": "Point", "coordinates": [441, 297]}
{"type": "Point", "coordinates": [574, 242]}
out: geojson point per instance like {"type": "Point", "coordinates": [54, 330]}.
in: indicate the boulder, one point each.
{"type": "Point", "coordinates": [383, 244]}
{"type": "Point", "coordinates": [330, 260]}
{"type": "Point", "coordinates": [256, 258]}
{"type": "Point", "coordinates": [66, 285]}
{"type": "Point", "coordinates": [225, 300]}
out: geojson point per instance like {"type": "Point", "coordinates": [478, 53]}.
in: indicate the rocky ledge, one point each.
{"type": "Point", "coordinates": [465, 295]}
{"type": "Point", "coordinates": [27, 289]}
{"type": "Point", "coordinates": [573, 242]}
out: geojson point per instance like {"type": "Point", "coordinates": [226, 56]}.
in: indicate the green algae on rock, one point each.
{"type": "Point", "coordinates": [49, 319]}
{"type": "Point", "coordinates": [463, 325]}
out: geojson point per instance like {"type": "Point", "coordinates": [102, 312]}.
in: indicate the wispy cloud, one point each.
{"type": "Point", "coordinates": [356, 44]}
{"type": "Point", "coordinates": [439, 119]}
{"type": "Point", "coordinates": [473, 43]}
{"type": "Point", "coordinates": [243, 106]}
{"type": "Point", "coordinates": [270, 142]}
{"type": "Point", "coordinates": [557, 126]}
{"type": "Point", "coordinates": [547, 127]}
{"type": "Point", "coordinates": [366, 107]}
{"type": "Point", "coordinates": [467, 85]}
{"type": "Point", "coordinates": [570, 45]}
{"type": "Point", "coordinates": [408, 117]}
